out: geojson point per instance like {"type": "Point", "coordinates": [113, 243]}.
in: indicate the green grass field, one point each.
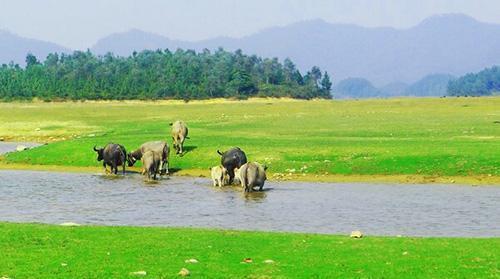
{"type": "Point", "coordinates": [431, 138]}
{"type": "Point", "coordinates": [43, 251]}
{"type": "Point", "coordinates": [427, 137]}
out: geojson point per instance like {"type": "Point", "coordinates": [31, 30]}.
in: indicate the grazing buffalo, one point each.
{"type": "Point", "coordinates": [252, 175]}
{"type": "Point", "coordinates": [179, 135]}
{"type": "Point", "coordinates": [151, 164]}
{"type": "Point", "coordinates": [113, 155]}
{"type": "Point", "coordinates": [159, 148]}
{"type": "Point", "coordinates": [232, 159]}
{"type": "Point", "coordinates": [218, 174]}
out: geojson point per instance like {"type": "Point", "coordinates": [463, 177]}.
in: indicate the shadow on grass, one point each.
{"type": "Point", "coordinates": [187, 149]}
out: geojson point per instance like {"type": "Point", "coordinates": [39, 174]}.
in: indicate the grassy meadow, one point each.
{"type": "Point", "coordinates": [440, 140]}
{"type": "Point", "coordinates": [427, 138]}
{"type": "Point", "coordinates": [45, 251]}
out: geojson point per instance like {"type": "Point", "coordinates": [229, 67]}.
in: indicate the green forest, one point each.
{"type": "Point", "coordinates": [483, 83]}
{"type": "Point", "coordinates": [160, 74]}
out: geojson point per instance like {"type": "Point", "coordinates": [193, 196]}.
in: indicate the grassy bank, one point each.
{"type": "Point", "coordinates": [43, 251]}
{"type": "Point", "coordinates": [311, 177]}
{"type": "Point", "coordinates": [414, 139]}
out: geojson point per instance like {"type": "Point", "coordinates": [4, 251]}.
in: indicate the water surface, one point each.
{"type": "Point", "coordinates": [337, 208]}
{"type": "Point", "coordinates": [11, 146]}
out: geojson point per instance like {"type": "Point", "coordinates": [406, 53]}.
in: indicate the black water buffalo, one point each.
{"type": "Point", "coordinates": [179, 135]}
{"type": "Point", "coordinates": [232, 159]}
{"type": "Point", "coordinates": [113, 155]}
{"type": "Point", "coordinates": [159, 148]}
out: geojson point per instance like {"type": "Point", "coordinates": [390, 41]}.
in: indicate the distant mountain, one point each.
{"type": "Point", "coordinates": [15, 48]}
{"type": "Point", "coordinates": [355, 88]}
{"type": "Point", "coordinates": [394, 89]}
{"type": "Point", "coordinates": [440, 44]}
{"type": "Point", "coordinates": [125, 43]}
{"type": "Point", "coordinates": [451, 44]}
{"type": "Point", "coordinates": [431, 85]}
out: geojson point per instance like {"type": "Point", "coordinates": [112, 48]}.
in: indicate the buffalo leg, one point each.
{"type": "Point", "coordinates": [176, 145]}
{"type": "Point", "coordinates": [161, 166]}
{"type": "Point", "coordinates": [181, 147]}
{"type": "Point", "coordinates": [104, 166]}
{"type": "Point", "coordinates": [230, 172]}
{"type": "Point", "coordinates": [123, 168]}
{"type": "Point", "coordinates": [250, 184]}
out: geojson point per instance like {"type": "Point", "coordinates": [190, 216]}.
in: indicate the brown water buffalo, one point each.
{"type": "Point", "coordinates": [159, 148]}
{"type": "Point", "coordinates": [151, 164]}
{"type": "Point", "coordinates": [179, 135]}
{"type": "Point", "coordinates": [252, 175]}
{"type": "Point", "coordinates": [113, 155]}
{"type": "Point", "coordinates": [232, 159]}
{"type": "Point", "coordinates": [218, 174]}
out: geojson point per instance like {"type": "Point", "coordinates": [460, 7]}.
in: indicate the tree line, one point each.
{"type": "Point", "coordinates": [160, 74]}
{"type": "Point", "coordinates": [483, 83]}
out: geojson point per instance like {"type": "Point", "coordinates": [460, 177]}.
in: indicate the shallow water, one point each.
{"type": "Point", "coordinates": [11, 146]}
{"type": "Point", "coordinates": [338, 208]}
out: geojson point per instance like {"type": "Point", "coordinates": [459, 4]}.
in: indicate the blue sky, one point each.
{"type": "Point", "coordinates": [78, 24]}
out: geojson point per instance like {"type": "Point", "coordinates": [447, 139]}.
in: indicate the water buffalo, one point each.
{"type": "Point", "coordinates": [179, 135]}
{"type": "Point", "coordinates": [218, 174]}
{"type": "Point", "coordinates": [151, 164]}
{"type": "Point", "coordinates": [113, 155]}
{"type": "Point", "coordinates": [252, 175]}
{"type": "Point", "coordinates": [159, 148]}
{"type": "Point", "coordinates": [232, 159]}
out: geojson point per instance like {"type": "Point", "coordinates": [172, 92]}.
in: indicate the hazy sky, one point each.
{"type": "Point", "coordinates": [78, 24]}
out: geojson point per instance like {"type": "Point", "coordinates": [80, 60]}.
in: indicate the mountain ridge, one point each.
{"type": "Point", "coordinates": [439, 44]}
{"type": "Point", "coordinates": [15, 48]}
{"type": "Point", "coordinates": [445, 43]}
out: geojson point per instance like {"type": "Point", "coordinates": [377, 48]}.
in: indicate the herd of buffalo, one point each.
{"type": "Point", "coordinates": [154, 156]}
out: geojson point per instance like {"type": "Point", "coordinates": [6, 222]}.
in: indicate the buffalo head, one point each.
{"type": "Point", "coordinates": [131, 159]}
{"type": "Point", "coordinates": [133, 156]}
{"type": "Point", "coordinates": [99, 152]}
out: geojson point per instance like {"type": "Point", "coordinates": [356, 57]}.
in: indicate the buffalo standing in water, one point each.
{"type": "Point", "coordinates": [252, 175]}
{"type": "Point", "coordinates": [113, 155]}
{"type": "Point", "coordinates": [160, 150]}
{"type": "Point", "coordinates": [151, 164]}
{"type": "Point", "coordinates": [179, 135]}
{"type": "Point", "coordinates": [232, 159]}
{"type": "Point", "coordinates": [218, 174]}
